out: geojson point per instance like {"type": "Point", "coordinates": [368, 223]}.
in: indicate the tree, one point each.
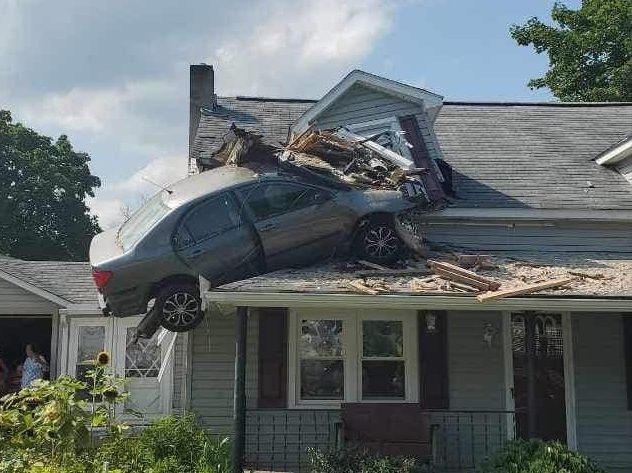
{"type": "Point", "coordinates": [590, 50]}
{"type": "Point", "coordinates": [43, 186]}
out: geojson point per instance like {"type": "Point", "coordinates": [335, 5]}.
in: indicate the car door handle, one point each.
{"type": "Point", "coordinates": [267, 227]}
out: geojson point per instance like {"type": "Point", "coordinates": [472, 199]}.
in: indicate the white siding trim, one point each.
{"type": "Point", "coordinates": [569, 381]}
{"type": "Point", "coordinates": [510, 405]}
{"type": "Point", "coordinates": [49, 296]}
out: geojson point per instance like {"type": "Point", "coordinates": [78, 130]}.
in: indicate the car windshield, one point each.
{"type": "Point", "coordinates": [142, 220]}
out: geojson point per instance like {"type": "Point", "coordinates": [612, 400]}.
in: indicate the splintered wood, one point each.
{"type": "Point", "coordinates": [463, 276]}
{"type": "Point", "coordinates": [526, 289]}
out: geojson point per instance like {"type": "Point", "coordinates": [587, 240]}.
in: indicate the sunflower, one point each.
{"type": "Point", "coordinates": [103, 359]}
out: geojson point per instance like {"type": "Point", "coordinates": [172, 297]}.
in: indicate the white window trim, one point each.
{"type": "Point", "coordinates": [352, 320]}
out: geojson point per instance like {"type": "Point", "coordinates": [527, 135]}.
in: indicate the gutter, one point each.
{"type": "Point", "coordinates": [406, 301]}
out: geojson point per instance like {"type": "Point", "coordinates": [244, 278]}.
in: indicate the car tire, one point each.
{"type": "Point", "coordinates": [179, 307]}
{"type": "Point", "coordinates": [379, 242]}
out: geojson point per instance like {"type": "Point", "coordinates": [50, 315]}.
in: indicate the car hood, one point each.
{"type": "Point", "coordinates": [104, 248]}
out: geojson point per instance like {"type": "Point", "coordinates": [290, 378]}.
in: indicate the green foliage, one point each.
{"type": "Point", "coordinates": [341, 461]}
{"type": "Point", "coordinates": [43, 187]}
{"type": "Point", "coordinates": [174, 444]}
{"type": "Point", "coordinates": [534, 456]}
{"type": "Point", "coordinates": [590, 50]}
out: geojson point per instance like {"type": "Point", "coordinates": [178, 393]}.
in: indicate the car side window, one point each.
{"type": "Point", "coordinates": [272, 199]}
{"type": "Point", "coordinates": [208, 219]}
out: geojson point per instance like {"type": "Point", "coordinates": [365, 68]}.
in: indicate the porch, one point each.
{"type": "Point", "coordinates": [481, 363]}
{"type": "Point", "coordinates": [279, 439]}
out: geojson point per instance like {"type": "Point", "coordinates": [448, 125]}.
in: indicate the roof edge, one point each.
{"type": "Point", "coordinates": [33, 289]}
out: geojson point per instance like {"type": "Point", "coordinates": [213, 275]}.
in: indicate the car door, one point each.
{"type": "Point", "coordinates": [216, 241]}
{"type": "Point", "coordinates": [297, 224]}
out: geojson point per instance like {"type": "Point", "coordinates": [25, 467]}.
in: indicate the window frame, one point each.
{"type": "Point", "coordinates": [352, 354]}
{"type": "Point", "coordinates": [243, 195]}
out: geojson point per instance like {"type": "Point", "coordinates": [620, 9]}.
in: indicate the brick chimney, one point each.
{"type": "Point", "coordinates": [202, 94]}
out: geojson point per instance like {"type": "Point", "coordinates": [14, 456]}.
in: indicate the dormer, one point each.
{"type": "Point", "coordinates": [618, 157]}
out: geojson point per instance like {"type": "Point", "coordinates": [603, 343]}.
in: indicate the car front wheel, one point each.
{"type": "Point", "coordinates": [179, 307]}
{"type": "Point", "coordinates": [379, 241]}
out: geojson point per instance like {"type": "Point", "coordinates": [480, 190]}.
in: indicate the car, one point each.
{"type": "Point", "coordinates": [231, 223]}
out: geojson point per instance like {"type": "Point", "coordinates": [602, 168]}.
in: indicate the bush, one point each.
{"type": "Point", "coordinates": [173, 444]}
{"type": "Point", "coordinates": [343, 461]}
{"type": "Point", "coordinates": [534, 456]}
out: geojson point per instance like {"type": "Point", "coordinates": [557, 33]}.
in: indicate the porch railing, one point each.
{"type": "Point", "coordinates": [278, 439]}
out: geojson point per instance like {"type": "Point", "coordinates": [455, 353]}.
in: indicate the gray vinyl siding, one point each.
{"type": "Point", "coordinates": [213, 370]}
{"type": "Point", "coordinates": [541, 237]}
{"type": "Point", "coordinates": [475, 370]}
{"type": "Point", "coordinates": [17, 301]}
{"type": "Point", "coordinates": [179, 372]}
{"type": "Point", "coordinates": [362, 104]}
{"type": "Point", "coordinates": [625, 169]}
{"type": "Point", "coordinates": [604, 424]}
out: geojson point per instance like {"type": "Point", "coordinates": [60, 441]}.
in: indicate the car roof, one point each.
{"type": "Point", "coordinates": [208, 182]}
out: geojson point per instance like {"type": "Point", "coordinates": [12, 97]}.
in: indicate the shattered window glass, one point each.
{"type": "Point", "coordinates": [274, 199]}
{"type": "Point", "coordinates": [321, 360]}
{"type": "Point", "coordinates": [211, 218]}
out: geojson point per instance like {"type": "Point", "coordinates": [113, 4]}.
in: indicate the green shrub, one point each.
{"type": "Point", "coordinates": [534, 456]}
{"type": "Point", "coordinates": [343, 461]}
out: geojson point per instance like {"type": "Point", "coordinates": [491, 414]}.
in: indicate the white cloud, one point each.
{"type": "Point", "coordinates": [116, 80]}
{"type": "Point", "coordinates": [298, 47]}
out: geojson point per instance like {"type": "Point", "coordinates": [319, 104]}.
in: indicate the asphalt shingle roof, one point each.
{"type": "Point", "coordinates": [71, 281]}
{"type": "Point", "coordinates": [504, 155]}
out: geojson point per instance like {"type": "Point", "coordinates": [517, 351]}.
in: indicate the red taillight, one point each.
{"type": "Point", "coordinates": [101, 278]}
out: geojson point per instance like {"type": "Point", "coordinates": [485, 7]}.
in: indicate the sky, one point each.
{"type": "Point", "coordinates": [113, 75]}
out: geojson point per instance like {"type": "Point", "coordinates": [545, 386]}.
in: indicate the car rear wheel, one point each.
{"type": "Point", "coordinates": [179, 307]}
{"type": "Point", "coordinates": [379, 241]}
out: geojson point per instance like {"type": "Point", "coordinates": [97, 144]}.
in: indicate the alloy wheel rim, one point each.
{"type": "Point", "coordinates": [180, 309]}
{"type": "Point", "coordinates": [380, 242]}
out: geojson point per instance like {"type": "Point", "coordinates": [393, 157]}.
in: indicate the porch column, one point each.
{"type": "Point", "coordinates": [239, 400]}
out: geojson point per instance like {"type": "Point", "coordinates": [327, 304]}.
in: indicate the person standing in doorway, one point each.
{"type": "Point", "coordinates": [34, 366]}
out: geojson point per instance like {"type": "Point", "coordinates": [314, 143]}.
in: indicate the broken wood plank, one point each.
{"type": "Point", "coordinates": [581, 274]}
{"type": "Point", "coordinates": [359, 287]}
{"type": "Point", "coordinates": [452, 268]}
{"type": "Point", "coordinates": [526, 289]}
{"type": "Point", "coordinates": [460, 278]}
{"type": "Point", "coordinates": [371, 265]}
{"type": "Point", "coordinates": [392, 273]}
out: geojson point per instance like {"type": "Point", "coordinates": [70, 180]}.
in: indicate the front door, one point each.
{"type": "Point", "coordinates": [538, 363]}
{"type": "Point", "coordinates": [146, 365]}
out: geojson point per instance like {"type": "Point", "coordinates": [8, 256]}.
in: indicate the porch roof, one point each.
{"type": "Point", "coordinates": [597, 276]}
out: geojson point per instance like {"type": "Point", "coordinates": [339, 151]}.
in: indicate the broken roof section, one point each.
{"type": "Point", "coordinates": [390, 159]}
{"type": "Point", "coordinates": [503, 155]}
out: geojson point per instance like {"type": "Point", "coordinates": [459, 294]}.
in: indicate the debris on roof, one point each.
{"type": "Point", "coordinates": [562, 274]}
{"type": "Point", "coordinates": [338, 158]}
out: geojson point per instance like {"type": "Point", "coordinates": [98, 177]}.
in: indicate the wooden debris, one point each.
{"type": "Point", "coordinates": [583, 275]}
{"type": "Point", "coordinates": [358, 286]}
{"type": "Point", "coordinates": [393, 272]}
{"type": "Point", "coordinates": [475, 261]}
{"type": "Point", "coordinates": [371, 265]}
{"type": "Point", "coordinates": [526, 289]}
{"type": "Point", "coordinates": [463, 276]}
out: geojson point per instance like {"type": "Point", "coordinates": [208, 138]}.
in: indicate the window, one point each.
{"type": "Point", "coordinates": [142, 357]}
{"type": "Point", "coordinates": [269, 200]}
{"type": "Point", "coordinates": [352, 356]}
{"type": "Point", "coordinates": [208, 219]}
{"type": "Point", "coordinates": [90, 341]}
{"type": "Point", "coordinates": [383, 360]}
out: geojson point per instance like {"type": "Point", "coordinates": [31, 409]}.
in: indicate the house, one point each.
{"type": "Point", "coordinates": [54, 304]}
{"type": "Point", "coordinates": [543, 188]}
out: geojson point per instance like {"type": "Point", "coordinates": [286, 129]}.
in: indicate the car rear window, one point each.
{"type": "Point", "coordinates": [142, 221]}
